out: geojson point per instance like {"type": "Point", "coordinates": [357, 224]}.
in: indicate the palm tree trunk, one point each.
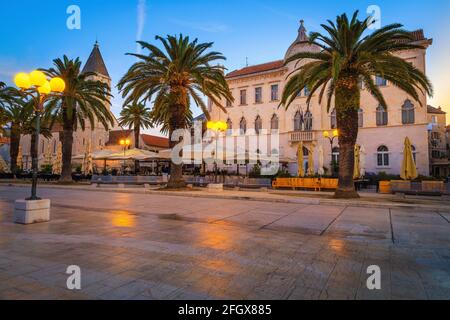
{"type": "Point", "coordinates": [176, 170]}
{"type": "Point", "coordinates": [67, 143]}
{"type": "Point", "coordinates": [33, 147]}
{"type": "Point", "coordinates": [137, 135]}
{"type": "Point", "coordinates": [347, 105]}
{"type": "Point", "coordinates": [14, 147]}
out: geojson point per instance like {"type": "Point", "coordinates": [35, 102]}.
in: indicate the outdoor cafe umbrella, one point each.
{"type": "Point", "coordinates": [301, 169]}
{"type": "Point", "coordinates": [357, 164]}
{"type": "Point", "coordinates": [48, 156]}
{"type": "Point", "coordinates": [311, 161]}
{"type": "Point", "coordinates": [133, 154]}
{"type": "Point", "coordinates": [87, 161]}
{"type": "Point", "coordinates": [409, 170]}
{"type": "Point", "coordinates": [321, 171]}
{"type": "Point", "coordinates": [57, 165]}
{"type": "Point", "coordinates": [362, 161]}
{"type": "Point", "coordinates": [3, 166]}
{"type": "Point", "coordinates": [19, 163]}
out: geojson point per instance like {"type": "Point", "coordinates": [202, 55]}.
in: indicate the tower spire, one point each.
{"type": "Point", "coordinates": [95, 62]}
{"type": "Point", "coordinates": [302, 36]}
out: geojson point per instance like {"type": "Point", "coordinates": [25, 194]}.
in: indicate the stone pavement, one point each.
{"type": "Point", "coordinates": [156, 246]}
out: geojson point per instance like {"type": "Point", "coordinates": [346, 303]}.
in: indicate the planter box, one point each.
{"type": "Point", "coordinates": [433, 186]}
{"type": "Point", "coordinates": [29, 212]}
{"type": "Point", "coordinates": [215, 187]}
{"type": "Point", "coordinates": [385, 187]}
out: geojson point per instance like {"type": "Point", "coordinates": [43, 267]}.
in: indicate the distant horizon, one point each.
{"type": "Point", "coordinates": [240, 30]}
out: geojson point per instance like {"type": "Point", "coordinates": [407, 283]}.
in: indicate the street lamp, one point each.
{"type": "Point", "coordinates": [125, 143]}
{"type": "Point", "coordinates": [217, 127]}
{"type": "Point", "coordinates": [331, 137]}
{"type": "Point", "coordinates": [36, 86]}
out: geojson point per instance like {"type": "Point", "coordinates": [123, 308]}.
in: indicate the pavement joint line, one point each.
{"type": "Point", "coordinates": [276, 220]}
{"type": "Point", "coordinates": [298, 200]}
{"type": "Point", "coordinates": [442, 216]}
{"type": "Point", "coordinates": [392, 226]}
{"type": "Point", "coordinates": [333, 221]}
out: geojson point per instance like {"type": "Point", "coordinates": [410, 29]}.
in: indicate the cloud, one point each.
{"type": "Point", "coordinates": [141, 7]}
{"type": "Point", "coordinates": [212, 27]}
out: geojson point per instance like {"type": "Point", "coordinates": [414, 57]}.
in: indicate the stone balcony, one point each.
{"type": "Point", "coordinates": [302, 136]}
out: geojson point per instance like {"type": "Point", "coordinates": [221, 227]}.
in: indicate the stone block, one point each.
{"type": "Point", "coordinates": [29, 212]}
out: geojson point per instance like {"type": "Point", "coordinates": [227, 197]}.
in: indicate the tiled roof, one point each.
{"type": "Point", "coordinates": [95, 63]}
{"type": "Point", "coordinates": [269, 66]}
{"type": "Point", "coordinates": [116, 135]}
{"type": "Point", "coordinates": [418, 35]}
{"type": "Point", "coordinates": [154, 141]}
{"type": "Point", "coordinates": [431, 109]}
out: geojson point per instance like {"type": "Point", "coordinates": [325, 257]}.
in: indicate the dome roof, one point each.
{"type": "Point", "coordinates": [301, 43]}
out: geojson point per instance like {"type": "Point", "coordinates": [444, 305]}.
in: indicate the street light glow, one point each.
{"type": "Point", "coordinates": [37, 78]}
{"type": "Point", "coordinates": [45, 88]}
{"type": "Point", "coordinates": [22, 80]}
{"type": "Point", "coordinates": [57, 85]}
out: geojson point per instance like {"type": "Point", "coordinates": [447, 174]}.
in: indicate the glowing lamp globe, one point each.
{"type": "Point", "coordinates": [45, 88]}
{"type": "Point", "coordinates": [37, 78]}
{"type": "Point", "coordinates": [57, 85]}
{"type": "Point", "coordinates": [22, 80]}
{"type": "Point", "coordinates": [127, 142]}
{"type": "Point", "coordinates": [326, 134]}
{"type": "Point", "coordinates": [222, 126]}
{"type": "Point", "coordinates": [122, 142]}
{"type": "Point", "coordinates": [210, 125]}
{"type": "Point", "coordinates": [335, 133]}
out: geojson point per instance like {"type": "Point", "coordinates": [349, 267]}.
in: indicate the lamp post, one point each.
{"type": "Point", "coordinates": [36, 87]}
{"type": "Point", "coordinates": [331, 137]}
{"type": "Point", "coordinates": [125, 143]}
{"type": "Point", "coordinates": [217, 127]}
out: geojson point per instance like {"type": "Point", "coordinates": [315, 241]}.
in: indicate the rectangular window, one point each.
{"type": "Point", "coordinates": [243, 97]}
{"type": "Point", "coordinates": [274, 92]}
{"type": "Point", "coordinates": [381, 82]}
{"type": "Point", "coordinates": [258, 95]}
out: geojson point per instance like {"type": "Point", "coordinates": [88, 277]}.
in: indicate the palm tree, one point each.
{"type": "Point", "coordinates": [16, 114]}
{"type": "Point", "coordinates": [29, 128]}
{"type": "Point", "coordinates": [173, 76]}
{"type": "Point", "coordinates": [83, 100]}
{"type": "Point", "coordinates": [135, 116]}
{"type": "Point", "coordinates": [347, 58]}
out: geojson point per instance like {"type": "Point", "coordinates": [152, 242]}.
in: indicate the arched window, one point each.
{"type": "Point", "coordinates": [408, 116]}
{"type": "Point", "coordinates": [360, 118]}
{"type": "Point", "coordinates": [335, 155]}
{"type": "Point", "coordinates": [274, 122]}
{"type": "Point", "coordinates": [308, 121]}
{"type": "Point", "coordinates": [229, 127]}
{"type": "Point", "coordinates": [258, 125]}
{"type": "Point", "coordinates": [383, 156]}
{"type": "Point", "coordinates": [243, 126]}
{"type": "Point", "coordinates": [333, 119]}
{"type": "Point", "coordinates": [298, 121]}
{"type": "Point", "coordinates": [382, 116]}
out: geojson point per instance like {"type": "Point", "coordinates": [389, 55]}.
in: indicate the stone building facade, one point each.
{"type": "Point", "coordinates": [257, 91]}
